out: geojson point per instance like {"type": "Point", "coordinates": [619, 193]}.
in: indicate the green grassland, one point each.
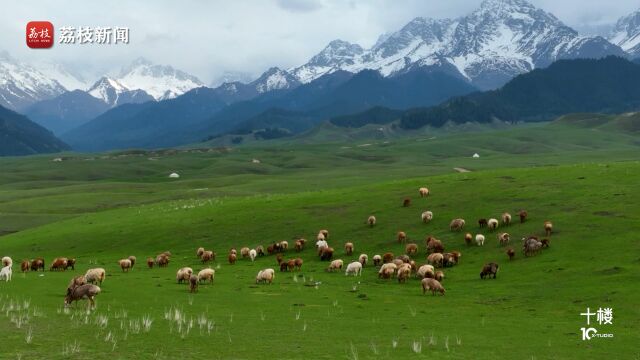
{"type": "Point", "coordinates": [116, 205]}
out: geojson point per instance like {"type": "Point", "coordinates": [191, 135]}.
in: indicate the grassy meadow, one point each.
{"type": "Point", "coordinates": [100, 208]}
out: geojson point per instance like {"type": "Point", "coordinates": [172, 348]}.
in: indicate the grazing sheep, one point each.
{"type": "Point", "coordinates": [506, 219]}
{"type": "Point", "coordinates": [270, 249]}
{"type": "Point", "coordinates": [480, 240]}
{"type": "Point", "coordinates": [348, 248]}
{"type": "Point", "coordinates": [131, 258]}
{"type": "Point", "coordinates": [260, 250]}
{"type": "Point", "coordinates": [426, 216]}
{"type": "Point", "coordinates": [449, 259]}
{"type": "Point", "coordinates": [354, 268]}
{"type": "Point", "coordinates": [283, 266]}
{"type": "Point", "coordinates": [321, 245]}
{"type": "Point", "coordinates": [6, 273]}
{"type": "Point", "coordinates": [125, 265]}
{"type": "Point", "coordinates": [326, 254]}
{"type": "Point", "coordinates": [291, 264]}
{"type": "Point", "coordinates": [253, 254]}
{"type": "Point", "coordinates": [265, 276]}
{"type": "Point", "coordinates": [488, 270]}
{"type": "Point", "coordinates": [183, 274]}
{"type": "Point", "coordinates": [71, 263]}
{"type": "Point", "coordinates": [58, 264]}
{"type": "Point", "coordinates": [95, 275]}
{"type": "Point", "coordinates": [7, 261]}
{"type": "Point", "coordinates": [193, 283]}
{"type": "Point", "coordinates": [162, 260]}
{"type": "Point", "coordinates": [387, 257]}
{"type": "Point", "coordinates": [377, 260]}
{"type": "Point", "coordinates": [24, 266]}
{"type": "Point", "coordinates": [435, 259]}
{"type": "Point", "coordinates": [321, 237]}
{"type": "Point", "coordinates": [468, 238]}
{"type": "Point", "coordinates": [244, 252]}
{"type": "Point", "coordinates": [284, 245]}
{"type": "Point", "coordinates": [548, 227]}
{"type": "Point", "coordinates": [434, 245]}
{"type": "Point", "coordinates": [150, 263]}
{"type": "Point", "coordinates": [207, 255]}
{"type": "Point", "coordinates": [387, 270]}
{"type": "Point", "coordinates": [455, 255]}
{"type": "Point", "coordinates": [371, 221]}
{"type": "Point", "coordinates": [424, 192]}
{"type": "Point", "coordinates": [406, 202]}
{"type": "Point", "coordinates": [75, 282]}
{"type": "Point", "coordinates": [232, 258]}
{"type": "Point", "coordinates": [234, 252]}
{"type": "Point", "coordinates": [166, 253]}
{"type": "Point", "coordinates": [324, 233]}
{"type": "Point", "coordinates": [433, 285]}
{"type": "Point", "coordinates": [531, 246]}
{"type": "Point", "coordinates": [510, 253]}
{"type": "Point", "coordinates": [335, 265]}
{"type": "Point", "coordinates": [279, 258]}
{"type": "Point", "coordinates": [439, 275]}
{"type": "Point", "coordinates": [199, 252]}
{"type": "Point", "coordinates": [504, 238]}
{"type": "Point", "coordinates": [411, 249]}
{"type": "Point", "coordinates": [402, 237]}
{"type": "Point", "coordinates": [545, 243]}
{"type": "Point", "coordinates": [425, 270]}
{"type": "Point", "coordinates": [492, 224]}
{"type": "Point", "coordinates": [456, 224]}
{"type": "Point", "coordinates": [206, 274]}
{"type": "Point", "coordinates": [403, 273]}
{"type": "Point", "coordinates": [37, 264]}
{"type": "Point", "coordinates": [298, 263]}
{"type": "Point", "coordinates": [363, 259]}
{"type": "Point", "coordinates": [523, 216]}
{"type": "Point", "coordinates": [299, 245]}
{"type": "Point", "coordinates": [482, 222]}
{"type": "Point", "coordinates": [86, 291]}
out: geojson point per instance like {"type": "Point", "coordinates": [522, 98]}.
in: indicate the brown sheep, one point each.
{"type": "Point", "coordinates": [131, 258]}
{"type": "Point", "coordinates": [324, 233]}
{"type": "Point", "coordinates": [402, 236]}
{"type": "Point", "coordinates": [291, 264]}
{"type": "Point", "coordinates": [435, 259]}
{"type": "Point", "coordinates": [24, 265]}
{"type": "Point", "coordinates": [548, 227]}
{"type": "Point", "coordinates": [545, 243]}
{"type": "Point", "coordinates": [433, 285]}
{"type": "Point", "coordinates": [150, 263]}
{"type": "Point", "coordinates": [439, 275]}
{"type": "Point", "coordinates": [387, 257]}
{"type": "Point", "coordinates": [232, 258]}
{"type": "Point", "coordinates": [404, 272]}
{"type": "Point", "coordinates": [193, 283]}
{"type": "Point", "coordinates": [510, 253]}
{"type": "Point", "coordinates": [260, 250]}
{"type": "Point", "coordinates": [283, 266]}
{"type": "Point", "coordinates": [75, 282]}
{"type": "Point", "coordinates": [299, 245]}
{"type": "Point", "coordinates": [199, 252]}
{"type": "Point", "coordinates": [279, 258]}
{"type": "Point", "coordinates": [270, 249]}
{"type": "Point", "coordinates": [449, 259]}
{"type": "Point", "coordinates": [411, 249]}
{"type": "Point", "coordinates": [434, 245]}
{"type": "Point", "coordinates": [71, 263]}
{"type": "Point", "coordinates": [37, 264]}
{"type": "Point", "coordinates": [488, 270]}
{"type": "Point", "coordinates": [406, 202]}
{"type": "Point", "coordinates": [506, 219]}
{"type": "Point", "coordinates": [504, 238]}
{"type": "Point", "coordinates": [327, 254]}
{"type": "Point", "coordinates": [523, 216]}
{"type": "Point", "coordinates": [298, 263]}
{"type": "Point", "coordinates": [348, 248]}
{"type": "Point", "coordinates": [86, 291]}
{"type": "Point", "coordinates": [207, 255]}
{"type": "Point", "coordinates": [482, 222]}
{"type": "Point", "coordinates": [456, 224]}
{"type": "Point", "coordinates": [162, 260]}
{"type": "Point", "coordinates": [58, 264]}
{"type": "Point", "coordinates": [456, 255]}
{"type": "Point", "coordinates": [468, 238]}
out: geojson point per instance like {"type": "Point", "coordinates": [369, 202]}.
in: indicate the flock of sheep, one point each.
{"type": "Point", "coordinates": [389, 266]}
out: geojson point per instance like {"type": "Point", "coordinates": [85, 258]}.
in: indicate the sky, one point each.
{"type": "Point", "coordinates": [243, 38]}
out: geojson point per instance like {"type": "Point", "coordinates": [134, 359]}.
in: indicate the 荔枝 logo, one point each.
{"type": "Point", "coordinates": [39, 34]}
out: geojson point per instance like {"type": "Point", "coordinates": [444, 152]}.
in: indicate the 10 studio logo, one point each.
{"type": "Point", "coordinates": [603, 317]}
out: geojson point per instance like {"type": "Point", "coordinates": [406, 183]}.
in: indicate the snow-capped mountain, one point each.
{"type": "Point", "coordinates": [22, 85]}
{"type": "Point", "coordinates": [65, 75]}
{"type": "Point", "coordinates": [501, 39]}
{"type": "Point", "coordinates": [626, 34]}
{"type": "Point", "coordinates": [274, 79]}
{"type": "Point", "coordinates": [160, 81]}
{"type": "Point", "coordinates": [114, 93]}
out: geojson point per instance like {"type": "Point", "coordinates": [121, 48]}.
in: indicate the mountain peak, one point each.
{"type": "Point", "coordinates": [160, 81]}
{"type": "Point", "coordinates": [275, 79]}
{"type": "Point", "coordinates": [626, 33]}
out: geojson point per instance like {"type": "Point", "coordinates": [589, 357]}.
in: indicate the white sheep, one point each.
{"type": "Point", "coordinates": [125, 265]}
{"type": "Point", "coordinates": [377, 260]}
{"type": "Point", "coordinates": [492, 224]}
{"type": "Point", "coordinates": [363, 259]}
{"type": "Point", "coordinates": [354, 268]}
{"type": "Point", "coordinates": [321, 244]}
{"type": "Point", "coordinates": [335, 265]}
{"type": "Point", "coordinates": [206, 274]}
{"type": "Point", "coordinates": [423, 191]}
{"type": "Point", "coordinates": [320, 236]}
{"type": "Point", "coordinates": [424, 269]}
{"type": "Point", "coordinates": [265, 276]}
{"type": "Point", "coordinates": [427, 216]}
{"type": "Point", "coordinates": [480, 240]}
{"type": "Point", "coordinates": [184, 274]}
{"type": "Point", "coordinates": [252, 254]}
{"type": "Point", "coordinates": [95, 275]}
{"type": "Point", "coordinates": [6, 273]}
{"type": "Point", "coordinates": [7, 261]}
{"type": "Point", "coordinates": [371, 221]}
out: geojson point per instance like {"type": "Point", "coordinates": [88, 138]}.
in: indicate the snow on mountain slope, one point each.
{"type": "Point", "coordinates": [626, 34]}
{"type": "Point", "coordinates": [160, 81]}
{"type": "Point", "coordinates": [275, 79]}
{"type": "Point", "coordinates": [63, 75]}
{"type": "Point", "coordinates": [107, 90]}
{"type": "Point", "coordinates": [22, 85]}
{"type": "Point", "coordinates": [499, 40]}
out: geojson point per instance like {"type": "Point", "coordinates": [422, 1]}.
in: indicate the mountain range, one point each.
{"type": "Point", "coordinates": [21, 136]}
